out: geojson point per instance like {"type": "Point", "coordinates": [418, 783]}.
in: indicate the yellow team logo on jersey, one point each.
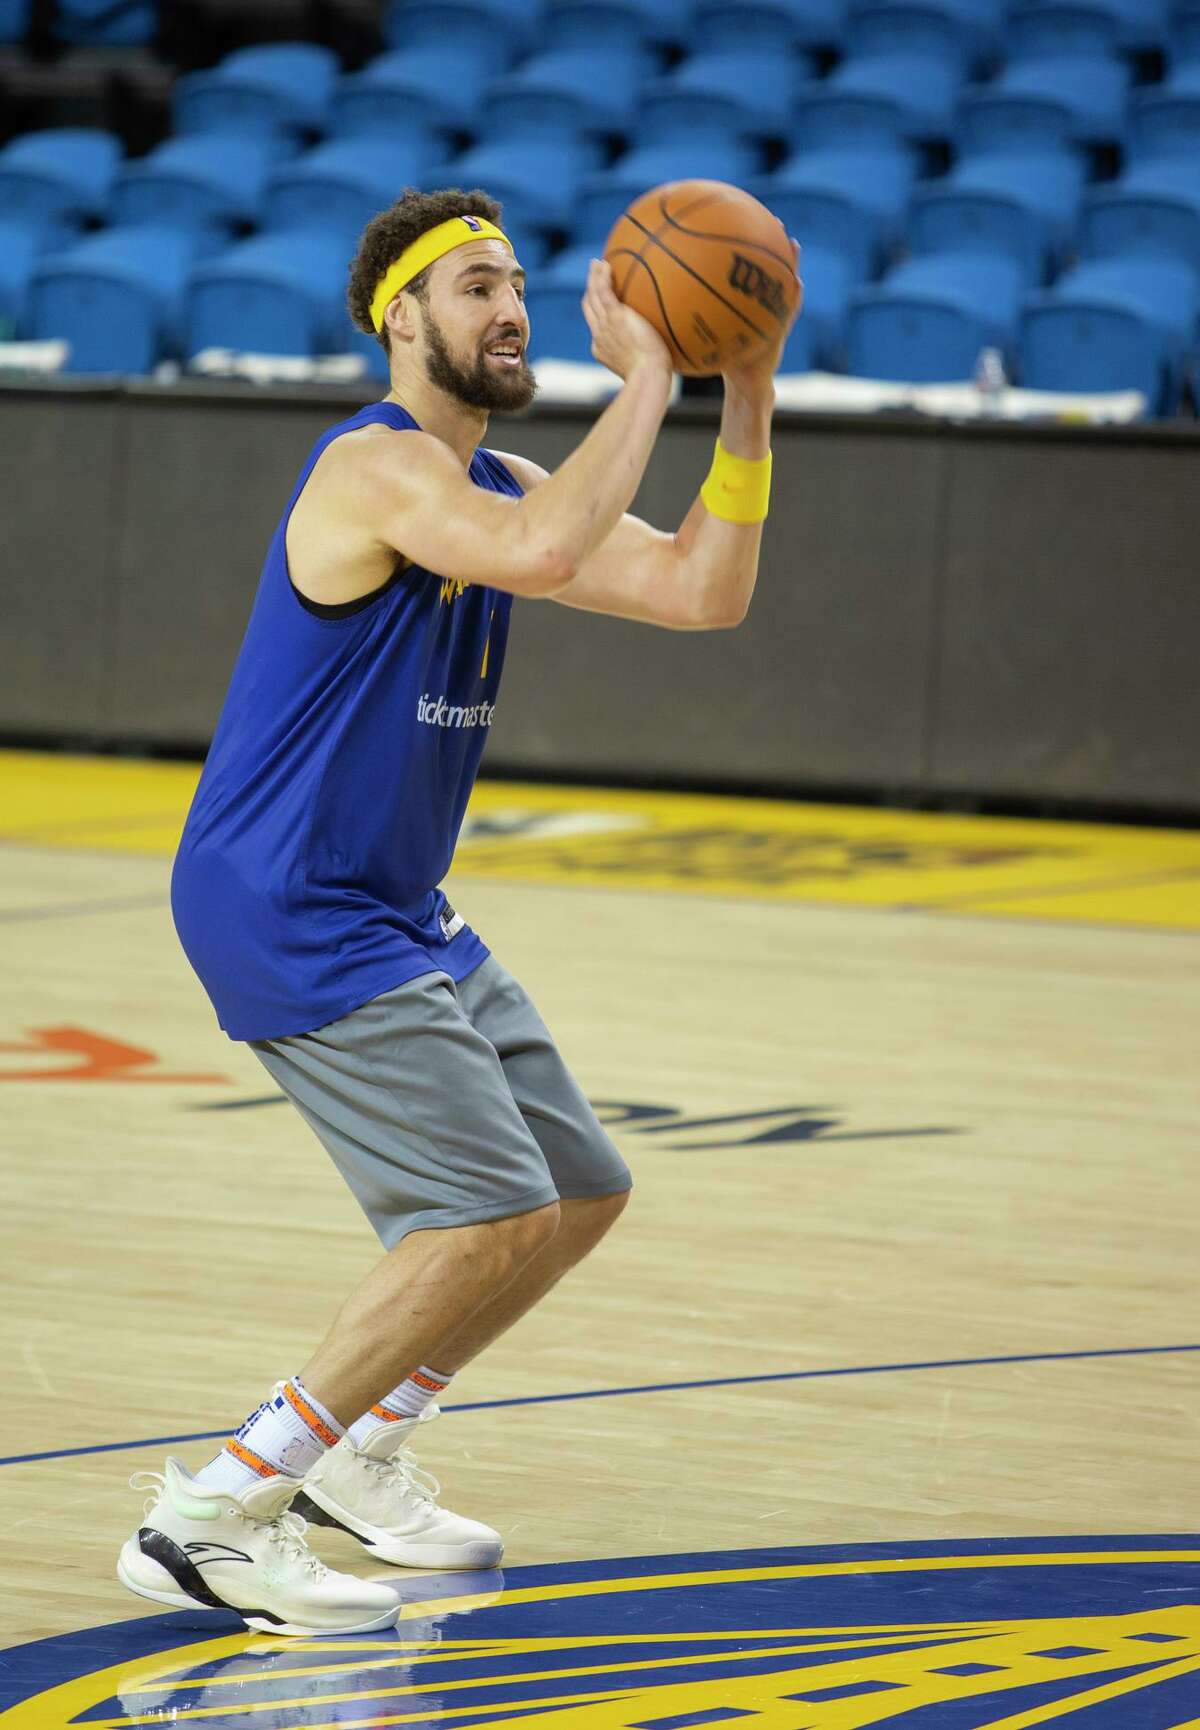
{"type": "Point", "coordinates": [451, 589]}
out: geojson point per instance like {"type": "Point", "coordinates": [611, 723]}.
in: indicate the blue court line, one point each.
{"type": "Point", "coordinates": [653, 1388]}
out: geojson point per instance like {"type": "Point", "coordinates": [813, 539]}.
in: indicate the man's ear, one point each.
{"type": "Point", "coordinates": [400, 317]}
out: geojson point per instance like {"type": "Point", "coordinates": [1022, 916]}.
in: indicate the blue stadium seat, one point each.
{"type": "Point", "coordinates": [1024, 205]}
{"type": "Point", "coordinates": [566, 91]}
{"type": "Point", "coordinates": [737, 94]}
{"type": "Point", "coordinates": [605, 194]}
{"type": "Point", "coordinates": [557, 327]}
{"type": "Point", "coordinates": [1185, 33]}
{"type": "Point", "coordinates": [276, 294]}
{"type": "Point", "coordinates": [205, 179]}
{"type": "Point", "coordinates": [342, 185]}
{"type": "Point", "coordinates": [1062, 29]}
{"type": "Point", "coordinates": [1115, 325]}
{"type": "Point", "coordinates": [64, 174]}
{"type": "Point", "coordinates": [1152, 211]}
{"type": "Point", "coordinates": [536, 180]}
{"type": "Point", "coordinates": [439, 87]}
{"type": "Point", "coordinates": [1053, 101]}
{"type": "Point", "coordinates": [530, 247]}
{"type": "Point", "coordinates": [877, 99]}
{"type": "Point", "coordinates": [955, 30]}
{"type": "Point", "coordinates": [768, 26]}
{"type": "Point", "coordinates": [850, 201]}
{"type": "Point", "coordinates": [115, 297]}
{"type": "Point", "coordinates": [829, 280]}
{"type": "Point", "coordinates": [14, 20]}
{"type": "Point", "coordinates": [613, 24]}
{"type": "Point", "coordinates": [505, 25]}
{"type": "Point", "coordinates": [927, 321]}
{"type": "Point", "coordinates": [21, 245]}
{"type": "Point", "coordinates": [1166, 117]}
{"type": "Point", "coordinates": [801, 351]}
{"type": "Point", "coordinates": [105, 23]}
{"type": "Point", "coordinates": [281, 86]}
{"type": "Point", "coordinates": [1087, 26]}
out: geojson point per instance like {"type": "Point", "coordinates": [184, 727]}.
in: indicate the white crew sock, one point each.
{"type": "Point", "coordinates": [287, 1434]}
{"type": "Point", "coordinates": [409, 1400]}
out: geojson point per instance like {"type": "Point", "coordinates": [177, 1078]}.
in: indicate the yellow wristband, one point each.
{"type": "Point", "coordinates": [738, 489]}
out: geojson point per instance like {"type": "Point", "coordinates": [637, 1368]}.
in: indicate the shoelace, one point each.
{"type": "Point", "coordinates": [407, 1476]}
{"type": "Point", "coordinates": [152, 1481]}
{"type": "Point", "coordinates": [284, 1531]}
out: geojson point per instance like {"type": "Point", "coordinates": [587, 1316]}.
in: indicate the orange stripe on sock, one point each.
{"type": "Point", "coordinates": [383, 1413]}
{"type": "Point", "coordinates": [260, 1466]}
{"type": "Point", "coordinates": [434, 1386]}
{"type": "Point", "coordinates": [302, 1409]}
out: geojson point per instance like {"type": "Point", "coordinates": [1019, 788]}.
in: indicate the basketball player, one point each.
{"type": "Point", "coordinates": [305, 890]}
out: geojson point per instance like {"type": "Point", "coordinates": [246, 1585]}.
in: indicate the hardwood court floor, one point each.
{"type": "Point", "coordinates": [897, 1090]}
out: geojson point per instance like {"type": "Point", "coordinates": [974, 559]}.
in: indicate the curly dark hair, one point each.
{"type": "Point", "coordinates": [386, 236]}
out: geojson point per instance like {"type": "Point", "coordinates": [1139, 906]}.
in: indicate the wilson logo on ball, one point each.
{"type": "Point", "coordinates": [751, 279]}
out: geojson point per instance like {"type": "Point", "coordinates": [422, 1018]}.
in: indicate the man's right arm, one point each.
{"type": "Point", "coordinates": [411, 493]}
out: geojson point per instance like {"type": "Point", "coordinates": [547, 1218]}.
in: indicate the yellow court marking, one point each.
{"type": "Point", "coordinates": [1000, 1642]}
{"type": "Point", "coordinates": [760, 849]}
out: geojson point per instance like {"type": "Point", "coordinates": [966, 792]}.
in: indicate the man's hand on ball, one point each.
{"type": "Point", "coordinates": [622, 339]}
{"type": "Point", "coordinates": [757, 374]}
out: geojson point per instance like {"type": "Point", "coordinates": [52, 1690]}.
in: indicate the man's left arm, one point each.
{"type": "Point", "coordinates": [700, 578]}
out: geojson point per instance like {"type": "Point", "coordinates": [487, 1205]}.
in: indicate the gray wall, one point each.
{"type": "Point", "coordinates": [990, 611]}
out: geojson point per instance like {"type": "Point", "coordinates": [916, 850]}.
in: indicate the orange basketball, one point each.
{"type": "Point", "coordinates": [711, 269]}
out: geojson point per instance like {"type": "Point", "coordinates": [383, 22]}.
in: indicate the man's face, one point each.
{"type": "Point", "coordinates": [476, 328]}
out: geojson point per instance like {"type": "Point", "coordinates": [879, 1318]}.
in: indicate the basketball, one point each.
{"type": "Point", "coordinates": [711, 269]}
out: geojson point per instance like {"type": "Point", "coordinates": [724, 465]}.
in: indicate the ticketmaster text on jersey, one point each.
{"type": "Point", "coordinates": [436, 712]}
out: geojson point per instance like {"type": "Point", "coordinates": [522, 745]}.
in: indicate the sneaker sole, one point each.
{"type": "Point", "coordinates": [313, 1505]}
{"type": "Point", "coordinates": [263, 1621]}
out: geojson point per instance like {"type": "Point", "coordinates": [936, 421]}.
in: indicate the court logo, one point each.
{"type": "Point", "coordinates": [995, 1635]}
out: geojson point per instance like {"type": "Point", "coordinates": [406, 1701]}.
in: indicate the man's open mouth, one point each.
{"type": "Point", "coordinates": [507, 353]}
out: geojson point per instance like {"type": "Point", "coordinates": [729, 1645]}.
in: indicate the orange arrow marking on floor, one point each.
{"type": "Point", "coordinates": [97, 1058]}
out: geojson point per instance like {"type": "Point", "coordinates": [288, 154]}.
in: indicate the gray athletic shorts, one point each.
{"type": "Point", "coordinates": [445, 1104]}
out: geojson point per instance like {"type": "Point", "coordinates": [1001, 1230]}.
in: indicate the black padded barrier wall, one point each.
{"type": "Point", "coordinates": [989, 611]}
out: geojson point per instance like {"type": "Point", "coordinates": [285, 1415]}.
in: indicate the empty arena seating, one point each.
{"type": "Point", "coordinates": [59, 175]}
{"type": "Point", "coordinates": [106, 23]}
{"type": "Point", "coordinates": [281, 87]}
{"type": "Point", "coordinates": [14, 20]}
{"type": "Point", "coordinates": [438, 86]}
{"type": "Point", "coordinates": [342, 184]}
{"type": "Point", "coordinates": [1021, 204]}
{"type": "Point", "coordinates": [116, 297]}
{"type": "Point", "coordinates": [274, 294]}
{"type": "Point", "coordinates": [203, 180]}
{"type": "Point", "coordinates": [1119, 323]}
{"type": "Point", "coordinates": [1018, 175]}
{"type": "Point", "coordinates": [566, 91]}
{"type": "Point", "coordinates": [930, 317]}
{"type": "Point", "coordinates": [779, 26]}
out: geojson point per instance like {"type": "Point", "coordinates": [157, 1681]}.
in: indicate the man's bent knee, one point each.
{"type": "Point", "coordinates": [524, 1234]}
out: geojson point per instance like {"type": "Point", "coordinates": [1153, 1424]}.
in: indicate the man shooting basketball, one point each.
{"type": "Point", "coordinates": [305, 890]}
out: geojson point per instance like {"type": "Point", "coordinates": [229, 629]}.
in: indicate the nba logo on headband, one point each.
{"type": "Point", "coordinates": [472, 222]}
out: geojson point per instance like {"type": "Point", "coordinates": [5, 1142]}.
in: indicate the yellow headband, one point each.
{"type": "Point", "coordinates": [425, 249]}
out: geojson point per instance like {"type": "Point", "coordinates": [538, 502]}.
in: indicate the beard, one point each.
{"type": "Point", "coordinates": [480, 386]}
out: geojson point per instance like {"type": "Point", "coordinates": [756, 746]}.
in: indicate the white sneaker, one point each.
{"type": "Point", "coordinates": [380, 1495]}
{"type": "Point", "coordinates": [202, 1545]}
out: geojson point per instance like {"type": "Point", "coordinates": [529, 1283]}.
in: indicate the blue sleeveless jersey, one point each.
{"type": "Point", "coordinates": [306, 881]}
